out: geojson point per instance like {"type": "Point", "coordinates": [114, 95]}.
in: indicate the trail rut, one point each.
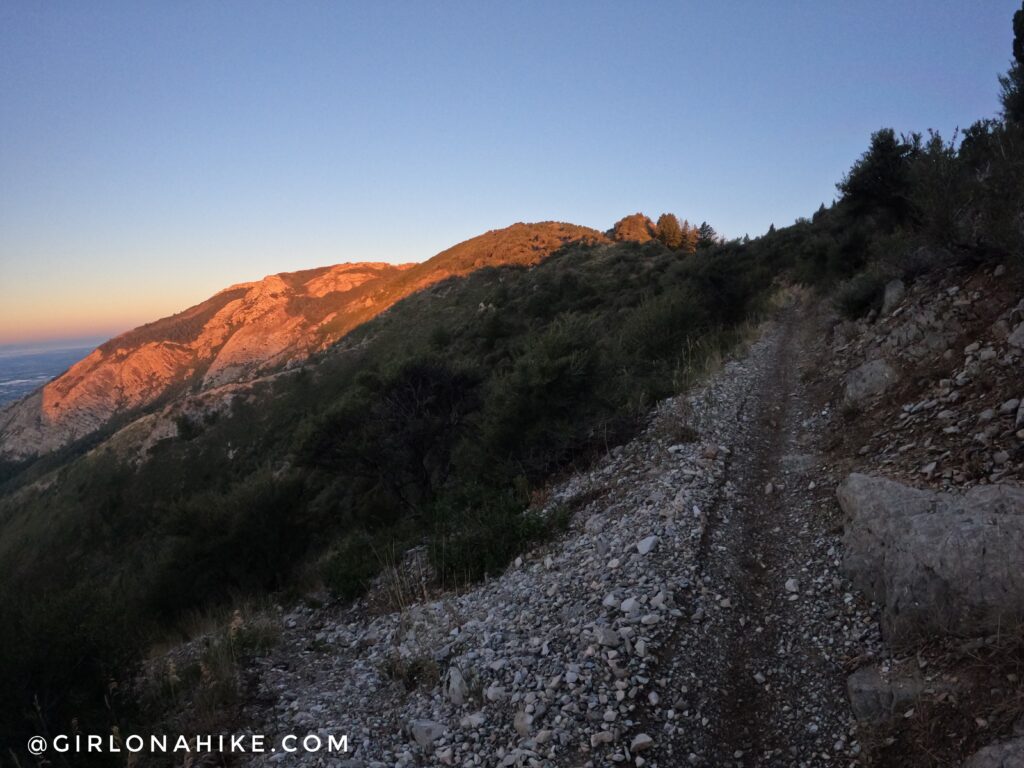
{"type": "Point", "coordinates": [758, 663]}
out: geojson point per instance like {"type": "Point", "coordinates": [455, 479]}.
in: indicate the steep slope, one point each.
{"type": "Point", "coordinates": [246, 331]}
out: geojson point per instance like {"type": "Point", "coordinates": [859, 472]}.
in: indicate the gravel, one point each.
{"type": "Point", "coordinates": [652, 633]}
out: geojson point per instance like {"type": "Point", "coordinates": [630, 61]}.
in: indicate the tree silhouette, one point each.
{"type": "Point", "coordinates": [879, 182]}
{"type": "Point", "coordinates": [1013, 81]}
{"type": "Point", "coordinates": [706, 235]}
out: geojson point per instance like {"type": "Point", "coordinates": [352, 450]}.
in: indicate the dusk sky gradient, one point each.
{"type": "Point", "coordinates": [153, 153]}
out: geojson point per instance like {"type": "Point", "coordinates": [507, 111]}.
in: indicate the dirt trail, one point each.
{"type": "Point", "coordinates": [690, 615]}
{"type": "Point", "coordinates": [758, 663]}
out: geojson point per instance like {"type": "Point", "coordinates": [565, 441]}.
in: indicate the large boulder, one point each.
{"type": "Point", "coordinates": [875, 509]}
{"type": "Point", "coordinates": [938, 563]}
{"type": "Point", "coordinates": [870, 379]}
{"type": "Point", "coordinates": [876, 697]}
{"type": "Point", "coordinates": [1008, 754]}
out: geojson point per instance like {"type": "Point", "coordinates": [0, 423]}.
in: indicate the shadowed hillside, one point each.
{"type": "Point", "coordinates": [246, 331]}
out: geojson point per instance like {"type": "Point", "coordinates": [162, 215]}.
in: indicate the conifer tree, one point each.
{"type": "Point", "coordinates": [1013, 81]}
{"type": "Point", "coordinates": [668, 230]}
{"type": "Point", "coordinates": [706, 235]}
{"type": "Point", "coordinates": [690, 237]}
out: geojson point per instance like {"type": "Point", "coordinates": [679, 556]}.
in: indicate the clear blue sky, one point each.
{"type": "Point", "coordinates": [152, 153]}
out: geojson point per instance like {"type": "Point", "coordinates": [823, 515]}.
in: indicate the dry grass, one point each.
{"type": "Point", "coordinates": [678, 423]}
{"type": "Point", "coordinates": [403, 579]}
{"type": "Point", "coordinates": [985, 700]}
{"type": "Point", "coordinates": [197, 687]}
{"type": "Point", "coordinates": [704, 356]}
{"type": "Point", "coordinates": [414, 673]}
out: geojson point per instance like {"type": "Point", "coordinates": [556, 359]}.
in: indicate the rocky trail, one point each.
{"type": "Point", "coordinates": [693, 615]}
{"type": "Point", "coordinates": [774, 625]}
{"type": "Point", "coordinates": [772, 687]}
{"type": "Point", "coordinates": [711, 603]}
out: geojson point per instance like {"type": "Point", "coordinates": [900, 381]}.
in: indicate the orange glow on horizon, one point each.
{"type": "Point", "coordinates": [80, 317]}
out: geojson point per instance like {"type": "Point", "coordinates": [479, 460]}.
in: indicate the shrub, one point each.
{"type": "Point", "coordinates": [478, 534]}
{"type": "Point", "coordinates": [860, 295]}
{"type": "Point", "coordinates": [658, 328]}
{"type": "Point", "coordinates": [350, 566]}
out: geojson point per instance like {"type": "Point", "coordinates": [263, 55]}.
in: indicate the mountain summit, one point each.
{"type": "Point", "coordinates": [249, 330]}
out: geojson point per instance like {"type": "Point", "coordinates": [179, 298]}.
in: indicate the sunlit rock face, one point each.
{"type": "Point", "coordinates": [247, 331]}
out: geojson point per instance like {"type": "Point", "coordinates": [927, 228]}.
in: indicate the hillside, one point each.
{"type": "Point", "coordinates": [246, 331]}
{"type": "Point", "coordinates": [710, 600]}
{"type": "Point", "coordinates": [573, 499]}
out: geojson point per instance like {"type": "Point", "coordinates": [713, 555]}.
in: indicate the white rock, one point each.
{"type": "Point", "coordinates": [641, 742]}
{"type": "Point", "coordinates": [495, 693]}
{"type": "Point", "coordinates": [601, 737]}
{"type": "Point", "coordinates": [455, 687]}
{"type": "Point", "coordinates": [426, 732]}
{"type": "Point", "coordinates": [646, 545]}
{"type": "Point", "coordinates": [521, 723]}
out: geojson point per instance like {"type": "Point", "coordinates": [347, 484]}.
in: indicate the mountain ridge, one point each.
{"type": "Point", "coordinates": [247, 330]}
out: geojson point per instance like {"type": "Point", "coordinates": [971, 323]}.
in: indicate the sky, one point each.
{"type": "Point", "coordinates": [154, 153]}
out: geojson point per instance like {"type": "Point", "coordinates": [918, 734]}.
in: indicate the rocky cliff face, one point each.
{"type": "Point", "coordinates": [247, 331]}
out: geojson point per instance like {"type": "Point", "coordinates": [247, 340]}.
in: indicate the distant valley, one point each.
{"type": "Point", "coordinates": [25, 368]}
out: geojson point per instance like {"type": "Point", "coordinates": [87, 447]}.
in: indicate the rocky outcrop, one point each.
{"type": "Point", "coordinates": [948, 420]}
{"type": "Point", "coordinates": [247, 331]}
{"type": "Point", "coordinates": [938, 563]}
{"type": "Point", "coordinates": [868, 380]}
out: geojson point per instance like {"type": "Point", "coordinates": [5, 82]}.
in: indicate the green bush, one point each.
{"type": "Point", "coordinates": [477, 536]}
{"type": "Point", "coordinates": [350, 566]}
{"type": "Point", "coordinates": [860, 295]}
{"type": "Point", "coordinates": [659, 327]}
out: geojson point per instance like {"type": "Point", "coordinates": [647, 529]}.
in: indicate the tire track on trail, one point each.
{"type": "Point", "coordinates": [753, 677]}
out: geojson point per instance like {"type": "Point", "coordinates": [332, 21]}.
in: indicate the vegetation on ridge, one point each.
{"type": "Point", "coordinates": [436, 421]}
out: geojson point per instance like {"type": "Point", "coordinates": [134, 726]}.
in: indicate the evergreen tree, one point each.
{"type": "Point", "coordinates": [668, 230]}
{"type": "Point", "coordinates": [690, 237]}
{"type": "Point", "coordinates": [1013, 81]}
{"type": "Point", "coordinates": [706, 235]}
{"type": "Point", "coordinates": [879, 181]}
{"type": "Point", "coordinates": [635, 228]}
